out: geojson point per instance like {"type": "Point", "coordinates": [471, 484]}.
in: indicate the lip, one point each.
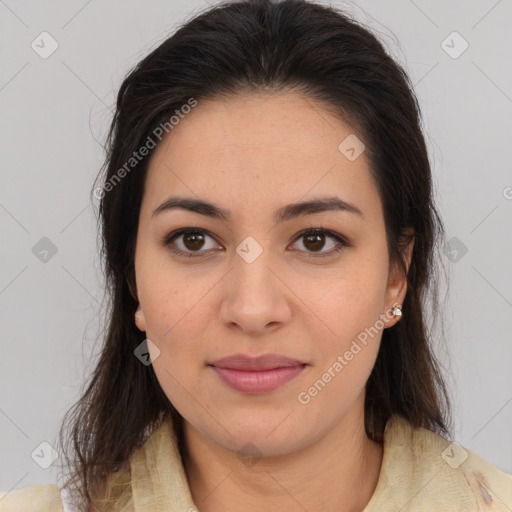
{"type": "Point", "coordinates": [261, 374]}
{"type": "Point", "coordinates": [260, 363]}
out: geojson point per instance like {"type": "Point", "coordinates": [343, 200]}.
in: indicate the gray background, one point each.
{"type": "Point", "coordinates": [55, 113]}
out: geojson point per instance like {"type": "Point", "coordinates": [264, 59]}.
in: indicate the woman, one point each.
{"type": "Point", "coordinates": [269, 235]}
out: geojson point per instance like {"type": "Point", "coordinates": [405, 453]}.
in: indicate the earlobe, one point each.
{"type": "Point", "coordinates": [397, 284]}
{"type": "Point", "coordinates": [140, 321]}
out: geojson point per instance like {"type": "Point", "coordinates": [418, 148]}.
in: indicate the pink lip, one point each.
{"type": "Point", "coordinates": [257, 374]}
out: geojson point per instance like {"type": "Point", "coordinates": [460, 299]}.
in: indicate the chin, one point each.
{"type": "Point", "coordinates": [259, 437]}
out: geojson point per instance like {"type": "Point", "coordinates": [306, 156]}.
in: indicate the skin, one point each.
{"type": "Point", "coordinates": [253, 154]}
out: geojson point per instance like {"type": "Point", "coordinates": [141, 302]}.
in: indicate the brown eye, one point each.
{"type": "Point", "coordinates": [193, 241]}
{"type": "Point", "coordinates": [315, 240]}
{"type": "Point", "coordinates": [190, 242]}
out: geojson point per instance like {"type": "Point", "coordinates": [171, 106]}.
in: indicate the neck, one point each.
{"type": "Point", "coordinates": [339, 472]}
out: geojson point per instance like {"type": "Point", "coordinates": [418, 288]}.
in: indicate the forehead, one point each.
{"type": "Point", "coordinates": [258, 149]}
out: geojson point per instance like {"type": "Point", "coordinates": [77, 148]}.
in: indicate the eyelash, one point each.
{"type": "Point", "coordinates": [342, 243]}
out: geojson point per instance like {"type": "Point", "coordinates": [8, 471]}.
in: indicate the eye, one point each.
{"type": "Point", "coordinates": [314, 240]}
{"type": "Point", "coordinates": [192, 242]}
{"type": "Point", "coordinates": [187, 241]}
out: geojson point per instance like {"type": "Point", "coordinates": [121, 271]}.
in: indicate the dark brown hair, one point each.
{"type": "Point", "coordinates": [253, 46]}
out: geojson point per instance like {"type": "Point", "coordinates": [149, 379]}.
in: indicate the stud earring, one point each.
{"type": "Point", "coordinates": [397, 310]}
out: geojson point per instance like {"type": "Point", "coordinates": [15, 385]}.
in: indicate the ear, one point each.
{"type": "Point", "coordinates": [140, 320]}
{"type": "Point", "coordinates": [397, 281]}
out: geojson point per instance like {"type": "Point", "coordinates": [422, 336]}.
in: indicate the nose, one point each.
{"type": "Point", "coordinates": [255, 300]}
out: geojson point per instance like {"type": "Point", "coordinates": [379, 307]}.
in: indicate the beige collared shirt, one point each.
{"type": "Point", "coordinates": [421, 471]}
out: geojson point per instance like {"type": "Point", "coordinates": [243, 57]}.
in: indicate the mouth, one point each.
{"type": "Point", "coordinates": [257, 374]}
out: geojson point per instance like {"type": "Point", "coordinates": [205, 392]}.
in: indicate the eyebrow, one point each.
{"type": "Point", "coordinates": [288, 212]}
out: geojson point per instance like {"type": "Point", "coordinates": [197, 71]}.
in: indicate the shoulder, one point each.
{"type": "Point", "coordinates": [424, 471]}
{"type": "Point", "coordinates": [470, 477]}
{"type": "Point", "coordinates": [36, 498]}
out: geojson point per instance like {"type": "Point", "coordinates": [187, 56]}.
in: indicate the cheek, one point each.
{"type": "Point", "coordinates": [171, 299]}
{"type": "Point", "coordinates": [175, 326]}
{"type": "Point", "coordinates": [178, 314]}
{"type": "Point", "coordinates": [348, 313]}
{"type": "Point", "coordinates": [346, 300]}
{"type": "Point", "coordinates": [352, 309]}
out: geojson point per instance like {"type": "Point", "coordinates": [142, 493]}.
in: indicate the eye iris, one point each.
{"type": "Point", "coordinates": [314, 242]}
{"type": "Point", "coordinates": [193, 241]}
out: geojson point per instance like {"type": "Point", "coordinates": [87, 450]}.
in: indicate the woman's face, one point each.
{"type": "Point", "coordinates": [250, 284]}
